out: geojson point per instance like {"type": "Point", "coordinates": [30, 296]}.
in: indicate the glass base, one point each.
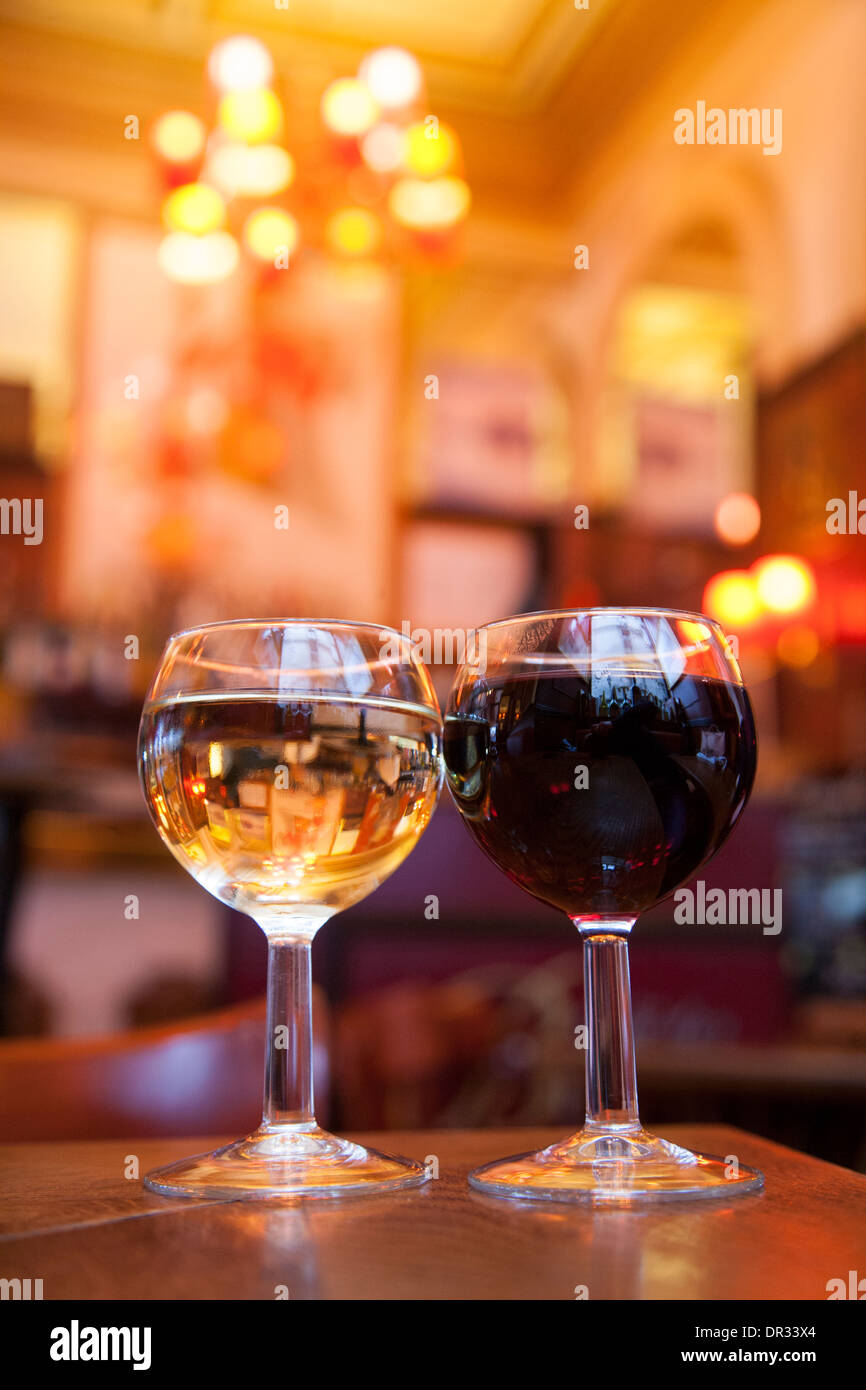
{"type": "Point", "coordinates": [610, 1166]}
{"type": "Point", "coordinates": [289, 1161]}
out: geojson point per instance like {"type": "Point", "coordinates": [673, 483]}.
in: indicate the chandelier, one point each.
{"type": "Point", "coordinates": [233, 190]}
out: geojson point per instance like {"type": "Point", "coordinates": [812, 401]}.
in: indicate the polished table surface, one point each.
{"type": "Point", "coordinates": [69, 1216]}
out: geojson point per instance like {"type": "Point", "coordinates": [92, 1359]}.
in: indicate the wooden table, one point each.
{"type": "Point", "coordinates": [69, 1217]}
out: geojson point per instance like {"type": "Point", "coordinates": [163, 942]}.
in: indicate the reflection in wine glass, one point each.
{"type": "Point", "coordinates": [290, 767]}
{"type": "Point", "coordinates": [599, 759]}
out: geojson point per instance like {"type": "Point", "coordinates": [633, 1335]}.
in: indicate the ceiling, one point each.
{"type": "Point", "coordinates": [503, 55]}
{"type": "Point", "coordinates": [535, 87]}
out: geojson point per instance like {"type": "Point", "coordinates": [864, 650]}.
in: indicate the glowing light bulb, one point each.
{"type": "Point", "coordinates": [198, 260]}
{"type": "Point", "coordinates": [382, 148]}
{"type": "Point", "coordinates": [253, 115]}
{"type": "Point", "coordinates": [430, 148]}
{"type": "Point", "coordinates": [195, 208]}
{"type": "Point", "coordinates": [393, 76]}
{"type": "Point", "coordinates": [732, 598]}
{"type": "Point", "coordinates": [179, 137]}
{"type": "Point", "coordinates": [429, 204]}
{"type": "Point", "coordinates": [738, 518]}
{"type": "Point", "coordinates": [270, 232]}
{"type": "Point", "coordinates": [239, 63]}
{"type": "Point", "coordinates": [251, 171]}
{"type": "Point", "coordinates": [349, 107]}
{"type": "Point", "coordinates": [784, 583]}
{"type": "Point", "coordinates": [353, 232]}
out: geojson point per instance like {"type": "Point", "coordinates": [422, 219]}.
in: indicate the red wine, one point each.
{"type": "Point", "coordinates": [601, 800]}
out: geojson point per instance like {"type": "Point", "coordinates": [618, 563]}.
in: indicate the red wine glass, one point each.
{"type": "Point", "coordinates": [599, 758]}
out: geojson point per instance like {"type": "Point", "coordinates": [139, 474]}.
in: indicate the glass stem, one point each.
{"type": "Point", "coordinates": [611, 1080]}
{"type": "Point", "coordinates": [289, 1048]}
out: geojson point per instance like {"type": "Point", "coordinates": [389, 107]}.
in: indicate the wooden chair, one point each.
{"type": "Point", "coordinates": [201, 1076]}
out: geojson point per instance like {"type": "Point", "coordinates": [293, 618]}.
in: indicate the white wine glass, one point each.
{"type": "Point", "coordinates": [290, 767]}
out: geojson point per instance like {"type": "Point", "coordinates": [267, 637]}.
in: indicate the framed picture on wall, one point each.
{"type": "Point", "coordinates": [688, 456]}
{"type": "Point", "coordinates": [460, 572]}
{"type": "Point", "coordinates": [492, 437]}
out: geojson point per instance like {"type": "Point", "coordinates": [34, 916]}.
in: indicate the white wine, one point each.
{"type": "Point", "coordinates": [281, 806]}
{"type": "Point", "coordinates": [290, 766]}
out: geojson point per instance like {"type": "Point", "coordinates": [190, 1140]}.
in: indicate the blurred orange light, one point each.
{"type": "Point", "coordinates": [198, 260]}
{"type": "Point", "coordinates": [798, 646]}
{"type": "Point", "coordinates": [738, 518]}
{"type": "Point", "coordinates": [349, 107]}
{"type": "Point", "coordinates": [171, 540]}
{"type": "Point", "coordinates": [353, 232]}
{"type": "Point", "coordinates": [436, 203]}
{"type": "Point", "coordinates": [851, 610]}
{"type": "Point", "coordinates": [253, 115]}
{"type": "Point", "coordinates": [239, 63]}
{"type": "Point", "coordinates": [393, 76]}
{"type": "Point", "coordinates": [269, 232]}
{"type": "Point", "coordinates": [429, 149]}
{"type": "Point", "coordinates": [731, 597]}
{"type": "Point", "coordinates": [697, 634]}
{"type": "Point", "coordinates": [382, 148]}
{"type": "Point", "coordinates": [195, 208]}
{"type": "Point", "coordinates": [254, 171]}
{"type": "Point", "coordinates": [179, 137]}
{"type": "Point", "coordinates": [784, 583]}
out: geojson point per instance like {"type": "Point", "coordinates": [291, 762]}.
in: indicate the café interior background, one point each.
{"type": "Point", "coordinates": [559, 369]}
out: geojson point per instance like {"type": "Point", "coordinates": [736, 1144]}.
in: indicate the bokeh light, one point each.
{"type": "Point", "coordinates": [349, 107]}
{"type": "Point", "coordinates": [382, 148]}
{"type": "Point", "coordinates": [270, 232]}
{"type": "Point", "coordinates": [353, 232]}
{"type": "Point", "coordinates": [254, 171]}
{"type": "Point", "coordinates": [253, 115]}
{"type": "Point", "coordinates": [172, 540]}
{"type": "Point", "coordinates": [429, 204]}
{"type": "Point", "coordinates": [179, 137]}
{"type": "Point", "coordinates": [195, 208]}
{"type": "Point", "coordinates": [239, 63]}
{"type": "Point", "coordinates": [429, 149]}
{"type": "Point", "coordinates": [198, 260]}
{"type": "Point", "coordinates": [784, 583]}
{"type": "Point", "coordinates": [393, 76]}
{"type": "Point", "coordinates": [732, 598]}
{"type": "Point", "coordinates": [798, 646]}
{"type": "Point", "coordinates": [738, 518]}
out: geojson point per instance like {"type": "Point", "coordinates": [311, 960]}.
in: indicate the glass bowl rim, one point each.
{"type": "Point", "coordinates": [624, 609]}
{"type": "Point", "coordinates": [409, 661]}
{"type": "Point", "coordinates": [227, 623]}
